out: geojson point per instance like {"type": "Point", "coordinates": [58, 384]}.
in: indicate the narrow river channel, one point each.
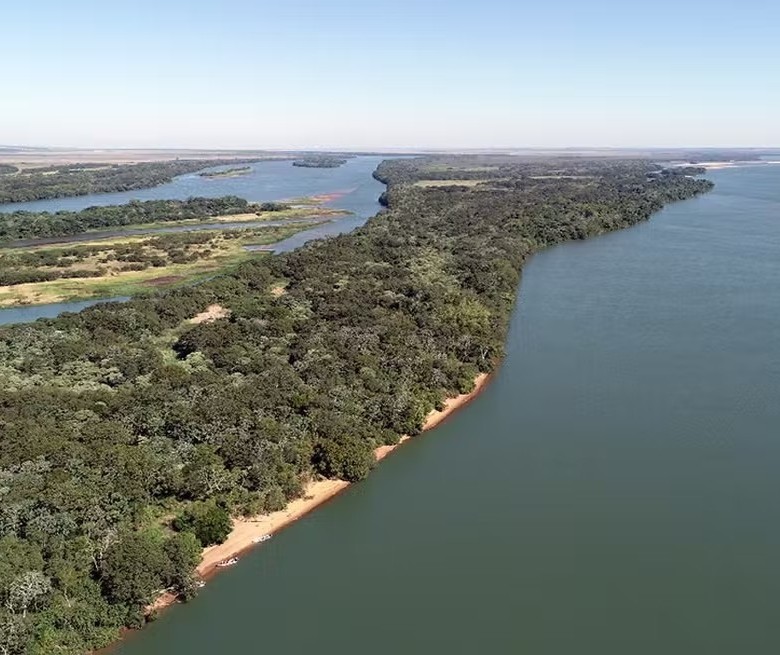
{"type": "Point", "coordinates": [352, 185]}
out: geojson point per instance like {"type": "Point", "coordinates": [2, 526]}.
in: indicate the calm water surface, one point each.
{"type": "Point", "coordinates": [268, 180]}
{"type": "Point", "coordinates": [615, 491]}
{"type": "Point", "coordinates": [357, 192]}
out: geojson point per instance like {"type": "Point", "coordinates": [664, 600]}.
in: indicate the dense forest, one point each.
{"type": "Point", "coordinates": [72, 180]}
{"type": "Point", "coordinates": [7, 169]}
{"type": "Point", "coordinates": [320, 162]}
{"type": "Point", "coordinates": [130, 435]}
{"type": "Point", "coordinates": [30, 225]}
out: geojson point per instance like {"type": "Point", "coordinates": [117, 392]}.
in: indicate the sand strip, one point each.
{"type": "Point", "coordinates": [247, 530]}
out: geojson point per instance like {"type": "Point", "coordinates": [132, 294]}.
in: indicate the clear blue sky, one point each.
{"type": "Point", "coordinates": [379, 73]}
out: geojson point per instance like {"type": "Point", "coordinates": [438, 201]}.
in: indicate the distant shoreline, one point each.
{"type": "Point", "coordinates": [716, 165]}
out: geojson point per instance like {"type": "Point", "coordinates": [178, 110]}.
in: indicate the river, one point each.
{"type": "Point", "coordinates": [353, 185]}
{"type": "Point", "coordinates": [614, 491]}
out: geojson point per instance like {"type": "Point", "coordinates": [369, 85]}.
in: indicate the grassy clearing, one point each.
{"type": "Point", "coordinates": [443, 168]}
{"type": "Point", "coordinates": [444, 183]}
{"type": "Point", "coordinates": [221, 252]}
{"type": "Point", "coordinates": [124, 284]}
{"type": "Point", "coordinates": [562, 177]}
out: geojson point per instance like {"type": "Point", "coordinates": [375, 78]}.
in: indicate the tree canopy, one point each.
{"type": "Point", "coordinates": [122, 416]}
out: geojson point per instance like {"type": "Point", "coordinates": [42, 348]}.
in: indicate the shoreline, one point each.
{"type": "Point", "coordinates": [316, 493]}
{"type": "Point", "coordinates": [718, 165]}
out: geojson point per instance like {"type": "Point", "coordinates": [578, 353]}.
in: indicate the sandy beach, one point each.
{"type": "Point", "coordinates": [715, 165]}
{"type": "Point", "coordinates": [247, 530]}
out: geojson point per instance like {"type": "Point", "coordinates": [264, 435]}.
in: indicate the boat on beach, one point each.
{"type": "Point", "coordinates": [261, 539]}
{"type": "Point", "coordinates": [227, 562]}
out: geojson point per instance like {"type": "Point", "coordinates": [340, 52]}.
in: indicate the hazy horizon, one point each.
{"type": "Point", "coordinates": [12, 148]}
{"type": "Point", "coordinates": [424, 75]}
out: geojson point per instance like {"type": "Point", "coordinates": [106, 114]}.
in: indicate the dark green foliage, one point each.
{"type": "Point", "coordinates": [348, 459]}
{"type": "Point", "coordinates": [209, 522]}
{"type": "Point", "coordinates": [133, 567]}
{"type": "Point", "coordinates": [183, 551]}
{"type": "Point", "coordinates": [114, 414]}
{"type": "Point", "coordinates": [273, 206]}
{"type": "Point", "coordinates": [7, 169]}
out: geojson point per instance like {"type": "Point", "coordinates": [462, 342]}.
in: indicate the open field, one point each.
{"type": "Point", "coordinates": [439, 167]}
{"type": "Point", "coordinates": [128, 266]}
{"type": "Point", "coordinates": [444, 183]}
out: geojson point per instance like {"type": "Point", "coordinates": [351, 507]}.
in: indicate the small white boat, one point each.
{"type": "Point", "coordinates": [259, 540]}
{"type": "Point", "coordinates": [200, 584]}
{"type": "Point", "coordinates": [228, 562]}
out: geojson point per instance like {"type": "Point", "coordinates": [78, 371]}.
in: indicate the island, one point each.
{"type": "Point", "coordinates": [138, 434]}
{"type": "Point", "coordinates": [320, 162]}
{"type": "Point", "coordinates": [230, 172]}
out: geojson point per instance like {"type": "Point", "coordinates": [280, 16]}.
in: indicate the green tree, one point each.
{"type": "Point", "coordinates": [132, 569]}
{"type": "Point", "coordinates": [348, 459]}
{"type": "Point", "coordinates": [183, 551]}
{"type": "Point", "coordinates": [208, 521]}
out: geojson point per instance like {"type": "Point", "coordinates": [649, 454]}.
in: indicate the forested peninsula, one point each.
{"type": "Point", "coordinates": [84, 179]}
{"type": "Point", "coordinates": [131, 434]}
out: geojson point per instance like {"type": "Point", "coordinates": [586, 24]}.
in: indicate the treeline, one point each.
{"type": "Point", "coordinates": [82, 179]}
{"type": "Point", "coordinates": [7, 169]}
{"type": "Point", "coordinates": [119, 417]}
{"type": "Point", "coordinates": [30, 225]}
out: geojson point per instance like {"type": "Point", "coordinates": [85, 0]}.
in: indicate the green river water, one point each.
{"type": "Point", "coordinates": [614, 491]}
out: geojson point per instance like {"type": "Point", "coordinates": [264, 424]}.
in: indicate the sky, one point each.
{"type": "Point", "coordinates": [369, 74]}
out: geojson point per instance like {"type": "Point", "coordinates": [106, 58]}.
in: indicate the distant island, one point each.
{"type": "Point", "coordinates": [230, 172]}
{"type": "Point", "coordinates": [320, 162]}
{"type": "Point", "coordinates": [66, 180]}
